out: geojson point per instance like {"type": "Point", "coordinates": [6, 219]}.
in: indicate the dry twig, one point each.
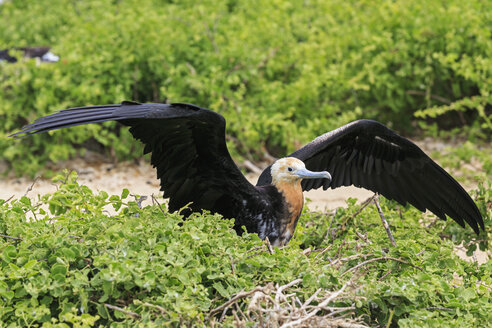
{"type": "Point", "coordinates": [317, 309]}
{"type": "Point", "coordinates": [364, 205]}
{"type": "Point", "coordinates": [158, 204]}
{"type": "Point", "coordinates": [422, 93]}
{"type": "Point", "coordinates": [275, 307]}
{"type": "Point", "coordinates": [383, 258]}
{"type": "Point", "coordinates": [235, 298]}
{"type": "Point", "coordinates": [351, 257]}
{"type": "Point", "coordinates": [154, 306]}
{"type": "Point", "coordinates": [253, 168]}
{"type": "Point", "coordinates": [438, 308]}
{"type": "Point", "coordinates": [363, 237]}
{"type": "Point", "coordinates": [383, 220]}
{"type": "Point", "coordinates": [232, 265]}
{"type": "Point", "coordinates": [10, 237]}
{"type": "Point", "coordinates": [269, 246]}
{"type": "Point", "coordinates": [386, 274]}
{"type": "Point", "coordinates": [323, 251]}
{"type": "Point", "coordinates": [328, 232]}
{"type": "Point", "coordinates": [139, 200]}
{"type": "Point", "coordinates": [31, 186]}
{"type": "Point", "coordinates": [117, 308]}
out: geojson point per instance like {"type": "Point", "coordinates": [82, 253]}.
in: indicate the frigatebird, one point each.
{"type": "Point", "coordinates": [42, 53]}
{"type": "Point", "coordinates": [195, 168]}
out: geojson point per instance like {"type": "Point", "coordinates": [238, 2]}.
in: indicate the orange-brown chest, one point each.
{"type": "Point", "coordinates": [292, 193]}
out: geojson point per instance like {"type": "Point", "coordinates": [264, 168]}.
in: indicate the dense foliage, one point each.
{"type": "Point", "coordinates": [69, 260]}
{"type": "Point", "coordinates": [281, 72]}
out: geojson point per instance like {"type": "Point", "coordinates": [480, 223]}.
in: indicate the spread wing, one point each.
{"type": "Point", "coordinates": [367, 154]}
{"type": "Point", "coordinates": [187, 145]}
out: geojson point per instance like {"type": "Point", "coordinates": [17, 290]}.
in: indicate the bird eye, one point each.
{"type": "Point", "coordinates": [290, 169]}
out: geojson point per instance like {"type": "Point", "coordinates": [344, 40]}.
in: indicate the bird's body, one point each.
{"type": "Point", "coordinates": [195, 169]}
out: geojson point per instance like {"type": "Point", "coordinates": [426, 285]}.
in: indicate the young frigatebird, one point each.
{"type": "Point", "coordinates": [189, 151]}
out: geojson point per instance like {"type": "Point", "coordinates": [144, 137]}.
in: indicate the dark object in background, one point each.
{"type": "Point", "coordinates": [43, 53]}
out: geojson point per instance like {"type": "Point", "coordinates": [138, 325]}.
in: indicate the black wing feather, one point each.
{"type": "Point", "coordinates": [367, 154]}
{"type": "Point", "coordinates": [187, 145]}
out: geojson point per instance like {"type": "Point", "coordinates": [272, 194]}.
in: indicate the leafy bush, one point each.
{"type": "Point", "coordinates": [67, 261]}
{"type": "Point", "coordinates": [281, 72]}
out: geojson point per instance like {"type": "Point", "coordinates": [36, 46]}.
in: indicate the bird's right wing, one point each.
{"type": "Point", "coordinates": [188, 150]}
{"type": "Point", "coordinates": [367, 154]}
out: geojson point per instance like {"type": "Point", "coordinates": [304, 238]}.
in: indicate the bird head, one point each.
{"type": "Point", "coordinates": [291, 170]}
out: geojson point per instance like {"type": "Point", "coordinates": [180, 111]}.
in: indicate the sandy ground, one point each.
{"type": "Point", "coordinates": [140, 179]}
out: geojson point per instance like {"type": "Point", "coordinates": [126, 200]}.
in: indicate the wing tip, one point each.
{"type": "Point", "coordinates": [475, 222]}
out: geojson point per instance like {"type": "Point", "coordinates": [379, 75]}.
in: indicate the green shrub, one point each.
{"type": "Point", "coordinates": [281, 72]}
{"type": "Point", "coordinates": [68, 262]}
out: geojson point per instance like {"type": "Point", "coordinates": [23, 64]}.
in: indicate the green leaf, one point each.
{"type": "Point", "coordinates": [221, 290]}
{"type": "Point", "coordinates": [124, 193]}
{"type": "Point", "coordinates": [7, 294]}
{"type": "Point", "coordinates": [9, 253]}
{"type": "Point", "coordinates": [68, 253]}
{"type": "Point", "coordinates": [58, 268]}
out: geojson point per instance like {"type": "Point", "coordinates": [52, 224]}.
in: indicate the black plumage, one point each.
{"type": "Point", "coordinates": [196, 170]}
{"type": "Point", "coordinates": [367, 154]}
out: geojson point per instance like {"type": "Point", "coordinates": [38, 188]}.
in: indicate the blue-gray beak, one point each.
{"type": "Point", "coordinates": [306, 174]}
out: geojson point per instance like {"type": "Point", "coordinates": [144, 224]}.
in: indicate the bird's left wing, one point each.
{"type": "Point", "coordinates": [367, 154]}
{"type": "Point", "coordinates": [188, 150]}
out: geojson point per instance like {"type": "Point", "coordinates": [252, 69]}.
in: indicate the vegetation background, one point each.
{"type": "Point", "coordinates": [282, 73]}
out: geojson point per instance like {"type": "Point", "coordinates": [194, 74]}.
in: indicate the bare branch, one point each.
{"type": "Point", "coordinates": [351, 257]}
{"type": "Point", "coordinates": [364, 205]}
{"type": "Point", "coordinates": [269, 306]}
{"type": "Point", "coordinates": [269, 246]}
{"type": "Point", "coordinates": [422, 93]}
{"type": "Point", "coordinates": [237, 297]}
{"type": "Point", "coordinates": [154, 306]}
{"type": "Point", "coordinates": [438, 308]}
{"type": "Point", "coordinates": [320, 306]}
{"type": "Point", "coordinates": [10, 237]}
{"type": "Point", "coordinates": [383, 220]}
{"type": "Point", "coordinates": [363, 237]}
{"type": "Point", "coordinates": [139, 200]}
{"type": "Point", "coordinates": [386, 274]}
{"type": "Point", "coordinates": [117, 308]}
{"type": "Point", "coordinates": [383, 258]}
{"type": "Point", "coordinates": [253, 168]}
{"type": "Point", "coordinates": [328, 232]}
{"type": "Point", "coordinates": [344, 324]}
{"type": "Point", "coordinates": [31, 186]}
{"type": "Point", "coordinates": [158, 204]}
{"type": "Point", "coordinates": [323, 251]}
{"type": "Point", "coordinates": [282, 288]}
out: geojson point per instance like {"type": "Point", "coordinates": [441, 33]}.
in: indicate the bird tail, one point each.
{"type": "Point", "coordinates": [82, 115]}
